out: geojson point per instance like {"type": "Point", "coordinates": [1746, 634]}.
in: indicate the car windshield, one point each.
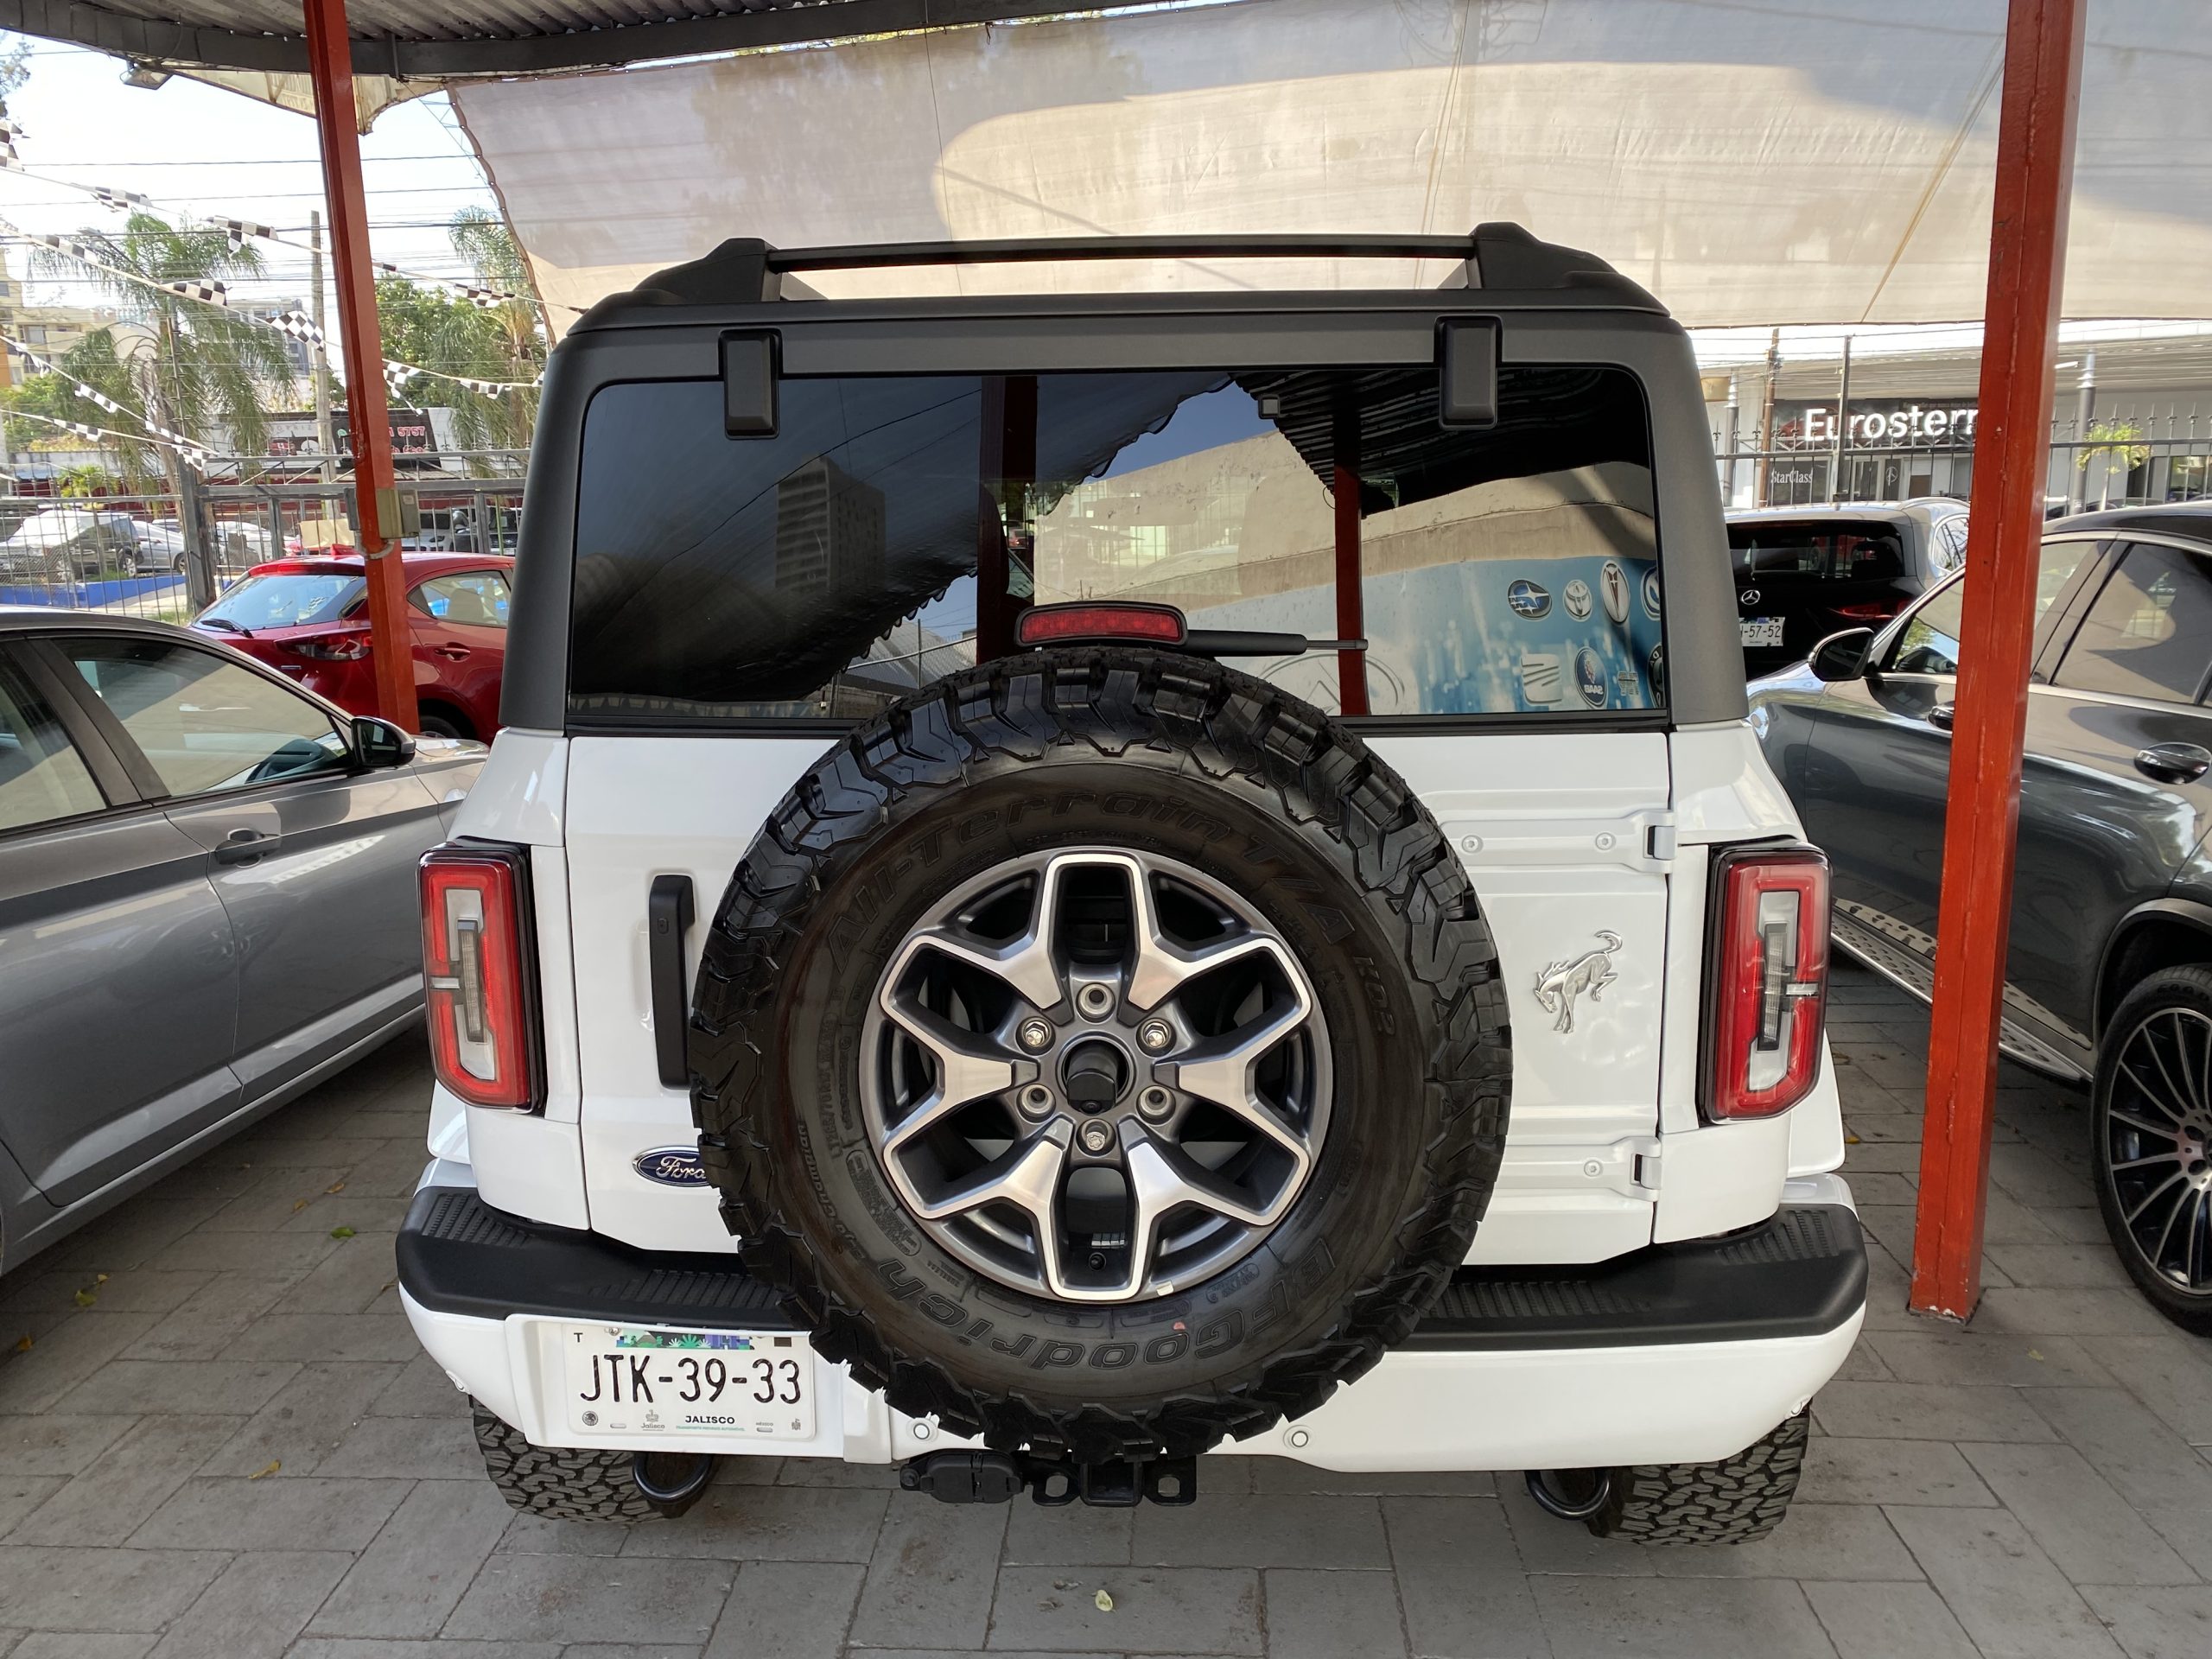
{"type": "Point", "coordinates": [285, 600]}
{"type": "Point", "coordinates": [1821, 550]}
{"type": "Point", "coordinates": [892, 529]}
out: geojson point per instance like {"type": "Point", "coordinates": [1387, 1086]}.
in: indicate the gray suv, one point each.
{"type": "Point", "coordinates": [2109, 980]}
{"type": "Point", "coordinates": [207, 902]}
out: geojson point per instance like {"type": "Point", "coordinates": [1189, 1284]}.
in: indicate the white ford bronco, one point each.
{"type": "Point", "coordinates": [1074, 882]}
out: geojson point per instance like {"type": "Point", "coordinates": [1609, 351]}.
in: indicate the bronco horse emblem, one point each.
{"type": "Point", "coordinates": [1560, 982]}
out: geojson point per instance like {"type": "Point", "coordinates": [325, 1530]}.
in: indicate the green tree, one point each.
{"type": "Point", "coordinates": [200, 370]}
{"type": "Point", "coordinates": [435, 328]}
{"type": "Point", "coordinates": [91, 362]}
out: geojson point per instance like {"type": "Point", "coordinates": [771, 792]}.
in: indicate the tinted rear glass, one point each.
{"type": "Point", "coordinates": [893, 528]}
{"type": "Point", "coordinates": [285, 602]}
{"type": "Point", "coordinates": [1823, 550]}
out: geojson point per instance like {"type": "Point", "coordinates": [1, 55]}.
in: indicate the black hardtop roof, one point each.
{"type": "Point", "coordinates": [1504, 261]}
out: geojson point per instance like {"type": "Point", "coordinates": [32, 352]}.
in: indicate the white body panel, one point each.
{"type": "Point", "coordinates": [1569, 839]}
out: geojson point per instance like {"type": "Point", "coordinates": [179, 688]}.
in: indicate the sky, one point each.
{"type": "Point", "coordinates": [195, 149]}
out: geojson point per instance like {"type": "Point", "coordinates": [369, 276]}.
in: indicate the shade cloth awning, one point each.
{"type": "Point", "coordinates": [1759, 163]}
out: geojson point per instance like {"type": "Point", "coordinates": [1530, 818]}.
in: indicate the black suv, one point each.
{"type": "Point", "coordinates": [2109, 980]}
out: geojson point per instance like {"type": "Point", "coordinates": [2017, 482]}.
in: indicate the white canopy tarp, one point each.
{"type": "Point", "coordinates": [1759, 162]}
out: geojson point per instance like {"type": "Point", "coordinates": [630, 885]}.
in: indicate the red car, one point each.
{"type": "Point", "coordinates": [308, 618]}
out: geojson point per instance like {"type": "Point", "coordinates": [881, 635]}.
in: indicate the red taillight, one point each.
{"type": "Point", "coordinates": [337, 648]}
{"type": "Point", "coordinates": [1770, 979]}
{"type": "Point", "coordinates": [1879, 610]}
{"type": "Point", "coordinates": [1055, 625]}
{"type": "Point", "coordinates": [482, 998]}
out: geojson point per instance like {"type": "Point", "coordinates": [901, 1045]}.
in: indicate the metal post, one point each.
{"type": "Point", "coordinates": [1735, 438]}
{"type": "Point", "coordinates": [1842, 423]}
{"type": "Point", "coordinates": [2085, 411]}
{"type": "Point", "coordinates": [202, 584]}
{"type": "Point", "coordinates": [325, 435]}
{"type": "Point", "coordinates": [1763, 472]}
{"type": "Point", "coordinates": [330, 67]}
{"type": "Point", "coordinates": [1351, 598]}
{"type": "Point", "coordinates": [2027, 248]}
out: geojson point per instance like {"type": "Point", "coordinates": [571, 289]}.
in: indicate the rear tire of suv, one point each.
{"type": "Point", "coordinates": [1730, 1502]}
{"type": "Point", "coordinates": [1208, 789]}
{"type": "Point", "coordinates": [573, 1483]}
{"type": "Point", "coordinates": [2151, 1141]}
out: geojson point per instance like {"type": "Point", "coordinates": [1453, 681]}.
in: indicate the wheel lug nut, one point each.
{"type": "Point", "coordinates": [1035, 1101]}
{"type": "Point", "coordinates": [1155, 1103]}
{"type": "Point", "coordinates": [1096, 1136]}
{"type": "Point", "coordinates": [1036, 1034]}
{"type": "Point", "coordinates": [1154, 1035]}
{"type": "Point", "coordinates": [1096, 1000]}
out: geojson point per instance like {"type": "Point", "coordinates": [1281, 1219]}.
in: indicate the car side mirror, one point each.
{"type": "Point", "coordinates": [378, 743]}
{"type": "Point", "coordinates": [1842, 656]}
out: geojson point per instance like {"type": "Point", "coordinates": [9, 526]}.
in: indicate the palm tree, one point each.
{"type": "Point", "coordinates": [434, 329]}
{"type": "Point", "coordinates": [200, 368]}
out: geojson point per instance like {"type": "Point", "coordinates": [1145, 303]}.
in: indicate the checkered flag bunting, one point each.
{"type": "Point", "coordinates": [9, 133]}
{"type": "Point", "coordinates": [193, 454]}
{"type": "Point", "coordinates": [119, 200]}
{"type": "Point", "coordinates": [205, 293]}
{"type": "Point", "coordinates": [396, 376]}
{"type": "Point", "coordinates": [239, 229]}
{"type": "Point", "coordinates": [298, 325]}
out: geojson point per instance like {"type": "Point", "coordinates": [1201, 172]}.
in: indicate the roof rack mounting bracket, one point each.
{"type": "Point", "coordinates": [752, 364]}
{"type": "Point", "coordinates": [1468, 347]}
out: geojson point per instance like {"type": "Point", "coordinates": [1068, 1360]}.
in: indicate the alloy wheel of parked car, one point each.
{"type": "Point", "coordinates": [2153, 1116]}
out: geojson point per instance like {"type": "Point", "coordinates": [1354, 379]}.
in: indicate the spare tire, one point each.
{"type": "Point", "coordinates": [1101, 1051]}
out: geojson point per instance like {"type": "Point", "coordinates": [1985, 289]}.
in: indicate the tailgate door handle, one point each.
{"type": "Point", "coordinates": [668, 925]}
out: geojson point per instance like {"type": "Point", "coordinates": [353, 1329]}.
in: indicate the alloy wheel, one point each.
{"type": "Point", "coordinates": [1096, 1075]}
{"type": "Point", "coordinates": [2157, 1144]}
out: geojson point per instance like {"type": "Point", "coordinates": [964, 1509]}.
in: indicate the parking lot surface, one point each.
{"type": "Point", "coordinates": [218, 1437]}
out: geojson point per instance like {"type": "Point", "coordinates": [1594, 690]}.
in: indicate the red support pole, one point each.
{"type": "Point", "coordinates": [2027, 249]}
{"type": "Point", "coordinates": [330, 65]}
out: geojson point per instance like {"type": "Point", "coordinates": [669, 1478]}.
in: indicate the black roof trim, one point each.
{"type": "Point", "coordinates": [1495, 257]}
{"type": "Point", "coordinates": [410, 42]}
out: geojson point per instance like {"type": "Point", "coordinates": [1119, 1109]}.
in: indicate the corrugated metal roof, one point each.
{"type": "Point", "coordinates": [436, 39]}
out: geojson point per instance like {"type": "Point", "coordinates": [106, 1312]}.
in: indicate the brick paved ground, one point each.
{"type": "Point", "coordinates": [236, 1450]}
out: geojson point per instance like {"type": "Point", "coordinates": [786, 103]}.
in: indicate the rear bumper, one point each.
{"type": "Point", "coordinates": [1677, 1354]}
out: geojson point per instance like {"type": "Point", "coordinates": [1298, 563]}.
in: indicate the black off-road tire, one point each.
{"type": "Point", "coordinates": [1730, 1502]}
{"type": "Point", "coordinates": [565, 1483]}
{"type": "Point", "coordinates": [1178, 756]}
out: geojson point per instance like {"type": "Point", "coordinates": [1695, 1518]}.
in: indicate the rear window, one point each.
{"type": "Point", "coordinates": [1823, 551]}
{"type": "Point", "coordinates": [286, 600]}
{"type": "Point", "coordinates": [892, 529]}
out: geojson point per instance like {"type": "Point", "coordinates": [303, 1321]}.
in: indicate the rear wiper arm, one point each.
{"type": "Point", "coordinates": [1238, 642]}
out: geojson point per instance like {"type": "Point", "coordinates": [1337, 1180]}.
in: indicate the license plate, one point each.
{"type": "Point", "coordinates": [624, 1379]}
{"type": "Point", "coordinates": [1759, 630]}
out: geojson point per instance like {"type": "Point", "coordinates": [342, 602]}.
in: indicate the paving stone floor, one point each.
{"type": "Point", "coordinates": [222, 1440]}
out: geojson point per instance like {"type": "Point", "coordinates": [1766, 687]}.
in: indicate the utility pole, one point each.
{"type": "Point", "coordinates": [325, 438]}
{"type": "Point", "coordinates": [1766, 420]}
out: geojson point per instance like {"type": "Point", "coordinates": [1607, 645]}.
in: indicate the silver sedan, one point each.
{"type": "Point", "coordinates": [208, 901]}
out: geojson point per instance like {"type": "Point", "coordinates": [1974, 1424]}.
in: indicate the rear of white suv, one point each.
{"type": "Point", "coordinates": [1072, 883]}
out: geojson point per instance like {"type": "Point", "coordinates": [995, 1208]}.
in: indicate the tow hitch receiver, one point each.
{"type": "Point", "coordinates": [996, 1476]}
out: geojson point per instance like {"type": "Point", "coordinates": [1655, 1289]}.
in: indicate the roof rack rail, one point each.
{"type": "Point", "coordinates": [745, 270]}
{"type": "Point", "coordinates": [884, 256]}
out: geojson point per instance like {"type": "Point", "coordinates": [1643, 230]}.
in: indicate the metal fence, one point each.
{"type": "Point", "coordinates": [134, 554]}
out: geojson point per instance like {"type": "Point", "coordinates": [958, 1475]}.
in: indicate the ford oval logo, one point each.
{"type": "Point", "coordinates": [671, 1166]}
